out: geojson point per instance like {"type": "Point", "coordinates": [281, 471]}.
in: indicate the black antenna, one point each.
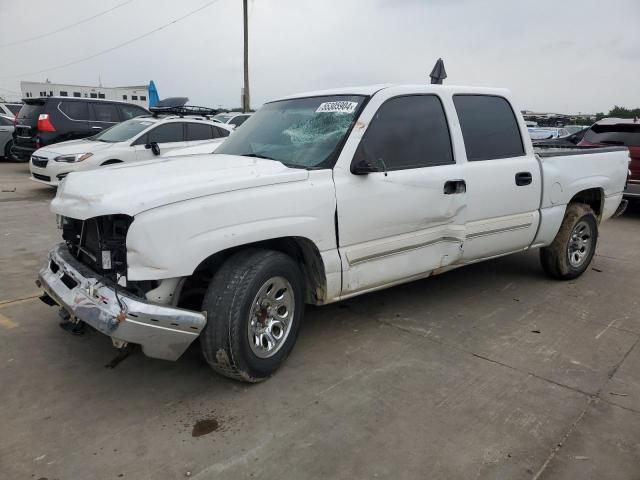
{"type": "Point", "coordinates": [438, 74]}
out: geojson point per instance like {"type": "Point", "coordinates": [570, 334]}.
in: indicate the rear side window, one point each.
{"type": "Point", "coordinates": [105, 112]}
{"type": "Point", "coordinates": [623, 134]}
{"type": "Point", "coordinates": [221, 132]}
{"type": "Point", "coordinates": [200, 131]}
{"type": "Point", "coordinates": [239, 120]}
{"type": "Point", "coordinates": [169, 132]}
{"type": "Point", "coordinates": [489, 127]}
{"type": "Point", "coordinates": [75, 110]}
{"type": "Point", "coordinates": [408, 132]}
{"type": "Point", "coordinates": [14, 108]}
{"type": "Point", "coordinates": [130, 111]}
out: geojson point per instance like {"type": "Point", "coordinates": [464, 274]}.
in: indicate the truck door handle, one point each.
{"type": "Point", "coordinates": [452, 187]}
{"type": "Point", "coordinates": [523, 178]}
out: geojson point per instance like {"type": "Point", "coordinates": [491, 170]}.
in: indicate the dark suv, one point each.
{"type": "Point", "coordinates": [46, 120]}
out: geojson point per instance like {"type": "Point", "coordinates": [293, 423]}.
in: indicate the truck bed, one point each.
{"type": "Point", "coordinates": [543, 151]}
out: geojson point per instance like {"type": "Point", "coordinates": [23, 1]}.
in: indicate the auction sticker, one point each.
{"type": "Point", "coordinates": [337, 107]}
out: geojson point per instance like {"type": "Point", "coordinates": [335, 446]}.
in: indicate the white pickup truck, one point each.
{"type": "Point", "coordinates": [317, 198]}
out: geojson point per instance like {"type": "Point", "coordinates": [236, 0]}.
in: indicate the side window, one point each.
{"type": "Point", "coordinates": [408, 132]}
{"type": "Point", "coordinates": [221, 132]}
{"type": "Point", "coordinates": [130, 111]}
{"type": "Point", "coordinates": [75, 110]}
{"type": "Point", "coordinates": [105, 112]}
{"type": "Point", "coordinates": [489, 127]}
{"type": "Point", "coordinates": [199, 131]}
{"type": "Point", "coordinates": [239, 120]}
{"type": "Point", "coordinates": [169, 132]}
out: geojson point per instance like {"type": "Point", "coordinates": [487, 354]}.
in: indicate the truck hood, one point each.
{"type": "Point", "coordinates": [134, 188]}
{"type": "Point", "coordinates": [74, 146]}
{"type": "Point", "coordinates": [201, 148]}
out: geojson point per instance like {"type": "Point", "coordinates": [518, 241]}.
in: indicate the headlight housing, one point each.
{"type": "Point", "coordinates": [74, 157]}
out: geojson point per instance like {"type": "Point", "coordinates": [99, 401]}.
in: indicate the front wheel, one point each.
{"type": "Point", "coordinates": [575, 244]}
{"type": "Point", "coordinates": [254, 306]}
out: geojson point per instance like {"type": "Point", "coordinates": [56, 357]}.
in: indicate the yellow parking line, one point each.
{"type": "Point", "coordinates": [7, 323]}
{"type": "Point", "coordinates": [18, 301]}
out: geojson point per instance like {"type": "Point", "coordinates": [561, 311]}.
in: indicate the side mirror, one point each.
{"type": "Point", "coordinates": [155, 148]}
{"type": "Point", "coordinates": [363, 167]}
{"type": "Point", "coordinates": [361, 163]}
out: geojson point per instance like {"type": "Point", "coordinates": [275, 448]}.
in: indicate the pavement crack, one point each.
{"type": "Point", "coordinates": [564, 438]}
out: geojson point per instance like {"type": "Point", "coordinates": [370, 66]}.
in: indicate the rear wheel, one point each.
{"type": "Point", "coordinates": [575, 244]}
{"type": "Point", "coordinates": [254, 305]}
{"type": "Point", "coordinates": [7, 150]}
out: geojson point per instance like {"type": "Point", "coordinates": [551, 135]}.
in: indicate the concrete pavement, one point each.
{"type": "Point", "coordinates": [491, 371]}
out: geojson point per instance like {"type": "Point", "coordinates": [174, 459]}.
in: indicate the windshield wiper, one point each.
{"type": "Point", "coordinates": [259, 155]}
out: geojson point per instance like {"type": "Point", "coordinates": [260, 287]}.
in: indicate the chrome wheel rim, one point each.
{"type": "Point", "coordinates": [580, 244]}
{"type": "Point", "coordinates": [271, 317]}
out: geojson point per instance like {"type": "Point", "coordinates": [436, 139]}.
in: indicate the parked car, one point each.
{"type": "Point", "coordinates": [200, 149]}
{"type": "Point", "coordinates": [10, 109]}
{"type": "Point", "coordinates": [540, 134]}
{"type": "Point", "coordinates": [318, 198]}
{"type": "Point", "coordinates": [46, 120]}
{"type": "Point", "coordinates": [569, 141]}
{"type": "Point", "coordinates": [574, 128]}
{"type": "Point", "coordinates": [555, 132]}
{"type": "Point", "coordinates": [232, 118]}
{"type": "Point", "coordinates": [6, 132]}
{"type": "Point", "coordinates": [140, 138]}
{"type": "Point", "coordinates": [619, 132]}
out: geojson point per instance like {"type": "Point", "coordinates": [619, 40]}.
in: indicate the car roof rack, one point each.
{"type": "Point", "coordinates": [177, 106]}
{"type": "Point", "coordinates": [184, 110]}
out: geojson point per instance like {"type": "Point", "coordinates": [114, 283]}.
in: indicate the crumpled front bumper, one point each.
{"type": "Point", "coordinates": [163, 331]}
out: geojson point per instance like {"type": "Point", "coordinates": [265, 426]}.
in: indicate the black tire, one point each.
{"type": "Point", "coordinates": [555, 258]}
{"type": "Point", "coordinates": [228, 303]}
{"type": "Point", "coordinates": [7, 150]}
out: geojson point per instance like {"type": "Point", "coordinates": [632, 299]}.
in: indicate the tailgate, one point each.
{"type": "Point", "coordinates": [27, 123]}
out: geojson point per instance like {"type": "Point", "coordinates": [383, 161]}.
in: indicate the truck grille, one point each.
{"type": "Point", "coordinates": [99, 242]}
{"type": "Point", "coordinates": [40, 162]}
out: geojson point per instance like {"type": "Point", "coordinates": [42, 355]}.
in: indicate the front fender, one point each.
{"type": "Point", "coordinates": [172, 240]}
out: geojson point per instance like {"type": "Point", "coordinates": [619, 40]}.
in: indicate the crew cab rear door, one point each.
{"type": "Point", "coordinates": [503, 177]}
{"type": "Point", "coordinates": [405, 218]}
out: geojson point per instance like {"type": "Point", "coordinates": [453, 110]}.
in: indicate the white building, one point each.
{"type": "Point", "coordinates": [137, 94]}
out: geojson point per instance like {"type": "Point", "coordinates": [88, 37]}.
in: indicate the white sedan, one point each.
{"type": "Point", "coordinates": [141, 138]}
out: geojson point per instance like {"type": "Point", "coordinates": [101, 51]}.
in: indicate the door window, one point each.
{"type": "Point", "coordinates": [167, 133]}
{"type": "Point", "coordinates": [105, 112]}
{"type": "Point", "coordinates": [489, 127]}
{"type": "Point", "coordinates": [407, 132]}
{"type": "Point", "coordinates": [199, 131]}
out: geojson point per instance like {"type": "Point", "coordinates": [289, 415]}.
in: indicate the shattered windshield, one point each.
{"type": "Point", "coordinates": [300, 133]}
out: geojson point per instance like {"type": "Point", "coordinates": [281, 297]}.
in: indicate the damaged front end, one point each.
{"type": "Point", "coordinates": [86, 276]}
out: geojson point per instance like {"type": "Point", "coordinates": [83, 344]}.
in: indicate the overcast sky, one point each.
{"type": "Point", "coordinates": [563, 56]}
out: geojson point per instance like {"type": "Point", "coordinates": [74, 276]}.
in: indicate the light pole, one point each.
{"type": "Point", "coordinates": [246, 103]}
